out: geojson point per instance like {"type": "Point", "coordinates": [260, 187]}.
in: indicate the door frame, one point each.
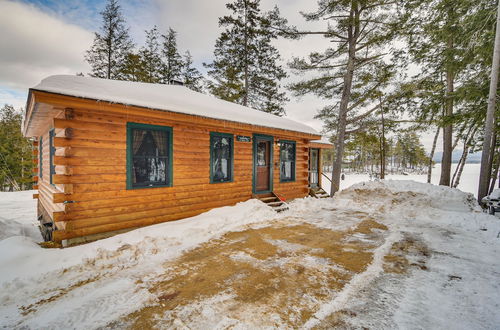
{"type": "Point", "coordinates": [254, 162]}
{"type": "Point", "coordinates": [318, 164]}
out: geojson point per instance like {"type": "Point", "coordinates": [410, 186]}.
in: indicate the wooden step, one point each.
{"type": "Point", "coordinates": [318, 193]}
{"type": "Point", "coordinates": [281, 208]}
{"type": "Point", "coordinates": [272, 200]}
{"type": "Point", "coordinates": [266, 199]}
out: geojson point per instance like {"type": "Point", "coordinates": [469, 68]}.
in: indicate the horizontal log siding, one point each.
{"type": "Point", "coordinates": [95, 159]}
{"type": "Point", "coordinates": [299, 187]}
{"type": "Point", "coordinates": [46, 191]}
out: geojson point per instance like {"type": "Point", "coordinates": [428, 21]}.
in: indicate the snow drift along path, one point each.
{"type": "Point", "coordinates": [422, 256]}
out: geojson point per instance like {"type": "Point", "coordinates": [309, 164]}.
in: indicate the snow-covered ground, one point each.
{"type": "Point", "coordinates": [18, 215]}
{"type": "Point", "coordinates": [469, 180]}
{"type": "Point", "coordinates": [389, 254]}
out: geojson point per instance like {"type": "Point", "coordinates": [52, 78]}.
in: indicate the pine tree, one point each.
{"type": "Point", "coordinates": [489, 127]}
{"type": "Point", "coordinates": [191, 77]}
{"type": "Point", "coordinates": [352, 74]}
{"type": "Point", "coordinates": [437, 43]}
{"type": "Point", "coordinates": [110, 48]}
{"type": "Point", "coordinates": [16, 163]}
{"type": "Point", "coordinates": [245, 69]}
{"type": "Point", "coordinates": [151, 57]}
{"type": "Point", "coordinates": [134, 68]}
{"type": "Point", "coordinates": [172, 60]}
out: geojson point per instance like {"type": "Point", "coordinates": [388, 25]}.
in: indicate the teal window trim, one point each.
{"type": "Point", "coordinates": [52, 152]}
{"type": "Point", "coordinates": [281, 142]}
{"type": "Point", "coordinates": [40, 157]}
{"type": "Point", "coordinates": [271, 160]}
{"type": "Point", "coordinates": [231, 139]}
{"type": "Point", "coordinates": [169, 131]}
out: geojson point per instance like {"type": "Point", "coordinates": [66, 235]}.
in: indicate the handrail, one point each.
{"type": "Point", "coordinates": [323, 174]}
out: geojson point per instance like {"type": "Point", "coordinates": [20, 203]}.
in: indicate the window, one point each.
{"type": "Point", "coordinates": [221, 157]}
{"type": "Point", "coordinates": [262, 150]}
{"type": "Point", "coordinates": [287, 161]}
{"type": "Point", "coordinates": [40, 157]}
{"type": "Point", "coordinates": [149, 156]}
{"type": "Point", "coordinates": [52, 152]}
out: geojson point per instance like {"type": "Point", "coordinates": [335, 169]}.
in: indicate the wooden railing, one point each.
{"type": "Point", "coordinates": [323, 174]}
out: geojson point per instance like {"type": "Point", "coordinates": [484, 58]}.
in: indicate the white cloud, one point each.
{"type": "Point", "coordinates": [36, 45]}
{"type": "Point", "coordinates": [11, 97]}
{"type": "Point", "coordinates": [195, 21]}
{"type": "Point", "coordinates": [197, 25]}
{"type": "Point", "coordinates": [41, 41]}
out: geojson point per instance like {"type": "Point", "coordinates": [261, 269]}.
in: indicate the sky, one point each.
{"type": "Point", "coordinates": [40, 38]}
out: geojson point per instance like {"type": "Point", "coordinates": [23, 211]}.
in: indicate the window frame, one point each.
{"type": "Point", "coordinates": [294, 177]}
{"type": "Point", "coordinates": [40, 157]}
{"type": "Point", "coordinates": [52, 152]}
{"type": "Point", "coordinates": [231, 138]}
{"type": "Point", "coordinates": [129, 155]}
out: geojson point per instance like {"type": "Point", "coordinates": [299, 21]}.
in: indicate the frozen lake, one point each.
{"type": "Point", "coordinates": [468, 182]}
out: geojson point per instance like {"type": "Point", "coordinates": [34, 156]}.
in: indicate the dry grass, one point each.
{"type": "Point", "coordinates": [284, 270]}
{"type": "Point", "coordinates": [397, 260]}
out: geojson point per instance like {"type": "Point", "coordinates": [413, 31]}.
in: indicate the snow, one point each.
{"type": "Point", "coordinates": [173, 98]}
{"type": "Point", "coordinates": [93, 285]}
{"type": "Point", "coordinates": [20, 220]}
{"type": "Point", "coordinates": [495, 194]}
{"type": "Point", "coordinates": [323, 140]}
{"type": "Point", "coordinates": [469, 181]}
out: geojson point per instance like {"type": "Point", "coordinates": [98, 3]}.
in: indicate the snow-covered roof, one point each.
{"type": "Point", "coordinates": [323, 140]}
{"type": "Point", "coordinates": [165, 97]}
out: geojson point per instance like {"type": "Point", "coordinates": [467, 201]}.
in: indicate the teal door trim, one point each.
{"type": "Point", "coordinates": [256, 138]}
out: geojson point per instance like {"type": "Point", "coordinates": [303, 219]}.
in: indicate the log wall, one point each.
{"type": "Point", "coordinates": [90, 195]}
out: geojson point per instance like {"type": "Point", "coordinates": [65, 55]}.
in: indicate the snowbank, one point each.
{"type": "Point", "coordinates": [415, 194]}
{"type": "Point", "coordinates": [18, 215]}
{"type": "Point", "coordinates": [26, 259]}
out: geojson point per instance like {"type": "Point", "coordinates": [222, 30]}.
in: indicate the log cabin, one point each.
{"type": "Point", "coordinates": [111, 156]}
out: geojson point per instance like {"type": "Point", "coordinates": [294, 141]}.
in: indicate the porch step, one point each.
{"type": "Point", "coordinates": [318, 193]}
{"type": "Point", "coordinates": [272, 200]}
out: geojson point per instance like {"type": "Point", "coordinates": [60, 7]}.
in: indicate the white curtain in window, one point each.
{"type": "Point", "coordinates": [161, 142]}
{"type": "Point", "coordinates": [137, 138]}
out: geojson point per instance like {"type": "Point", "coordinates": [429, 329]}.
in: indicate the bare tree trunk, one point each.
{"type": "Point", "coordinates": [447, 129]}
{"type": "Point", "coordinates": [344, 102]}
{"type": "Point", "coordinates": [490, 114]}
{"type": "Point", "coordinates": [434, 142]}
{"type": "Point", "coordinates": [495, 174]}
{"type": "Point", "coordinates": [463, 158]}
{"type": "Point", "coordinates": [492, 154]}
{"type": "Point", "coordinates": [460, 167]}
{"type": "Point", "coordinates": [245, 97]}
{"type": "Point", "coordinates": [382, 146]}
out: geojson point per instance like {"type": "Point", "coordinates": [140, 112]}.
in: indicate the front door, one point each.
{"type": "Point", "coordinates": [262, 163]}
{"type": "Point", "coordinates": [313, 168]}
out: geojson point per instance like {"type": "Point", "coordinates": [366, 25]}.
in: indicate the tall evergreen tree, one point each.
{"type": "Point", "coordinates": [16, 163]}
{"type": "Point", "coordinates": [353, 73]}
{"type": "Point", "coordinates": [435, 38]}
{"type": "Point", "coordinates": [134, 68]}
{"type": "Point", "coordinates": [111, 46]}
{"type": "Point", "coordinates": [246, 67]}
{"type": "Point", "coordinates": [172, 60]}
{"type": "Point", "coordinates": [191, 77]}
{"type": "Point", "coordinates": [151, 57]}
{"type": "Point", "coordinates": [489, 127]}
